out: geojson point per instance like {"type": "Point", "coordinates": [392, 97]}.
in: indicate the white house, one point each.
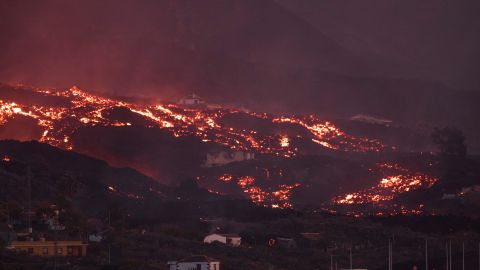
{"type": "Point", "coordinates": [219, 158]}
{"type": "Point", "coordinates": [233, 240]}
{"type": "Point", "coordinates": [191, 100]}
{"type": "Point", "coordinates": [195, 262]}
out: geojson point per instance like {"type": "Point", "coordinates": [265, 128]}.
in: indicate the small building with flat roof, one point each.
{"type": "Point", "coordinates": [47, 248]}
{"type": "Point", "coordinates": [195, 262]}
{"type": "Point", "coordinates": [228, 239]}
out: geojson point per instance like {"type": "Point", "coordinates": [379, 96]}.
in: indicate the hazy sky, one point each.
{"type": "Point", "coordinates": [172, 44]}
{"type": "Point", "coordinates": [437, 39]}
{"type": "Point", "coordinates": [331, 57]}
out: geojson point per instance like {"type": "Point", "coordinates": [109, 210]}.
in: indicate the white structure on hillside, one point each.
{"type": "Point", "coordinates": [233, 240]}
{"type": "Point", "coordinates": [224, 157]}
{"type": "Point", "coordinates": [195, 262]}
{"type": "Point", "coordinates": [447, 196]}
{"type": "Point", "coordinates": [191, 100]}
{"type": "Point", "coordinates": [371, 119]}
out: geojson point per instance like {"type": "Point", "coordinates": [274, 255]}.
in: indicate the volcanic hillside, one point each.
{"type": "Point", "coordinates": [89, 188]}
{"type": "Point", "coordinates": [70, 118]}
{"type": "Point", "coordinates": [300, 161]}
{"type": "Point", "coordinates": [251, 53]}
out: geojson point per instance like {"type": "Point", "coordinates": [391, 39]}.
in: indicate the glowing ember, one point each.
{"type": "Point", "coordinates": [226, 178]}
{"type": "Point", "coordinates": [284, 141]}
{"type": "Point", "coordinates": [389, 186]}
{"type": "Point", "coordinates": [6, 158]}
{"type": "Point", "coordinates": [245, 181]}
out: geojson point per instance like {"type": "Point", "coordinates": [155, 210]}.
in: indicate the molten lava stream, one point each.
{"type": "Point", "coordinates": [389, 186]}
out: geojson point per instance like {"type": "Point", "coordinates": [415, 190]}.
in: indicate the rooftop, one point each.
{"type": "Point", "coordinates": [231, 235]}
{"type": "Point", "coordinates": [199, 258]}
{"type": "Point", "coordinates": [46, 243]}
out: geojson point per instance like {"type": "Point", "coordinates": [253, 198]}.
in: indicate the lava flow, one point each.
{"type": "Point", "coordinates": [390, 185]}
{"type": "Point", "coordinates": [329, 136]}
{"type": "Point", "coordinates": [277, 197]}
{"type": "Point", "coordinates": [84, 109]}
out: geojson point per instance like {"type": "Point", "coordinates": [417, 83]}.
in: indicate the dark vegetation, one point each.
{"type": "Point", "coordinates": [170, 223]}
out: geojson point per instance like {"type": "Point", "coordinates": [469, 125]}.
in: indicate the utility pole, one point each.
{"type": "Point", "coordinates": [446, 254]}
{"type": "Point", "coordinates": [55, 243]}
{"type": "Point", "coordinates": [9, 222]}
{"type": "Point", "coordinates": [390, 255]}
{"type": "Point", "coordinates": [29, 206]}
{"type": "Point", "coordinates": [426, 254]}
{"type": "Point", "coordinates": [331, 261]}
{"type": "Point", "coordinates": [351, 263]}
{"type": "Point", "coordinates": [463, 255]}
{"type": "Point", "coordinates": [450, 255]}
{"type": "Point", "coordinates": [109, 244]}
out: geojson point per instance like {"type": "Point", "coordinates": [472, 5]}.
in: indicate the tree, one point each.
{"type": "Point", "coordinates": [450, 142]}
{"type": "Point", "coordinates": [453, 152]}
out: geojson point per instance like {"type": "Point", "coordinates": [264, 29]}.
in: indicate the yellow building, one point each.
{"type": "Point", "coordinates": [46, 248]}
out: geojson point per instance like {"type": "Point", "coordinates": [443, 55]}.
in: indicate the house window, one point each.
{"type": "Point", "coordinates": [45, 251]}
{"type": "Point", "coordinates": [30, 250]}
{"type": "Point", "coordinates": [214, 266]}
{"type": "Point", "coordinates": [199, 266]}
{"type": "Point", "coordinates": [70, 250]}
{"type": "Point", "coordinates": [60, 251]}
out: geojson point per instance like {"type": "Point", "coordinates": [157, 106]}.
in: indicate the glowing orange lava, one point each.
{"type": "Point", "coordinates": [329, 136]}
{"type": "Point", "coordinates": [389, 186]}
{"type": "Point", "coordinates": [278, 197]}
{"type": "Point", "coordinates": [284, 141]}
{"type": "Point", "coordinates": [60, 122]}
{"type": "Point", "coordinates": [226, 177]}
